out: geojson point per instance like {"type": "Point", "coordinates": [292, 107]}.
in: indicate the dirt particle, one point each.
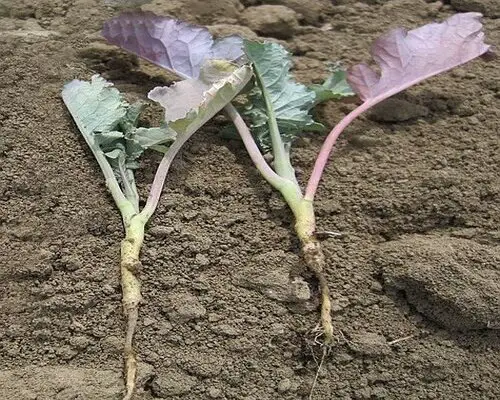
{"type": "Point", "coordinates": [202, 364]}
{"type": "Point", "coordinates": [161, 231]}
{"type": "Point", "coordinates": [275, 21]}
{"type": "Point", "coordinates": [112, 344]}
{"type": "Point", "coordinates": [226, 330]}
{"type": "Point", "coordinates": [369, 344]}
{"type": "Point", "coordinates": [214, 393]}
{"type": "Point", "coordinates": [172, 382]}
{"type": "Point", "coordinates": [66, 352]}
{"type": "Point", "coordinates": [70, 263]}
{"type": "Point", "coordinates": [397, 110]}
{"type": "Point", "coordinates": [147, 321]}
{"type": "Point", "coordinates": [379, 392]}
{"type": "Point", "coordinates": [203, 12]}
{"type": "Point", "coordinates": [164, 328]}
{"type": "Point", "coordinates": [80, 342]}
{"type": "Point", "coordinates": [309, 12]}
{"type": "Point", "coordinates": [202, 260]}
{"type": "Point", "coordinates": [363, 393]}
{"type": "Point", "coordinates": [24, 233]}
{"type": "Point", "coordinates": [490, 8]}
{"type": "Point", "coordinates": [145, 373]}
{"type": "Point", "coordinates": [284, 385]}
{"type": "Point", "coordinates": [184, 307]}
{"type": "Point", "coordinates": [108, 289]}
{"type": "Point", "coordinates": [221, 30]}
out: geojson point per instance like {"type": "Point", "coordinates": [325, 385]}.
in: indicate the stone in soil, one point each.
{"type": "Point", "coordinates": [275, 21]}
{"type": "Point", "coordinates": [172, 382]}
{"type": "Point", "coordinates": [309, 11]}
{"type": "Point", "coordinates": [183, 307]}
{"type": "Point", "coordinates": [369, 344]}
{"type": "Point", "coordinates": [489, 8]}
{"type": "Point", "coordinates": [64, 383]}
{"type": "Point", "coordinates": [453, 282]}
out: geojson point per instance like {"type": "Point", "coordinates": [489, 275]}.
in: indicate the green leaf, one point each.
{"type": "Point", "coordinates": [107, 139]}
{"type": "Point", "coordinates": [108, 122]}
{"type": "Point", "coordinates": [335, 87]}
{"type": "Point", "coordinates": [109, 125]}
{"type": "Point", "coordinates": [291, 101]}
{"type": "Point", "coordinates": [114, 154]}
{"type": "Point", "coordinates": [96, 106]}
{"type": "Point", "coordinates": [150, 137]}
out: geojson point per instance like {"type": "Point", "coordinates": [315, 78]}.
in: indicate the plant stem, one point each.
{"type": "Point", "coordinates": [131, 294]}
{"type": "Point", "coordinates": [262, 166]}
{"type": "Point", "coordinates": [281, 162]}
{"type": "Point", "coordinates": [314, 258]}
{"type": "Point", "coordinates": [161, 175]}
{"type": "Point", "coordinates": [304, 216]}
{"type": "Point", "coordinates": [129, 187]}
{"type": "Point", "coordinates": [324, 153]}
{"type": "Point", "coordinates": [111, 182]}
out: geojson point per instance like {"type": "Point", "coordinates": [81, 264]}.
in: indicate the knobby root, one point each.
{"type": "Point", "coordinates": [315, 261]}
{"type": "Point", "coordinates": [131, 292]}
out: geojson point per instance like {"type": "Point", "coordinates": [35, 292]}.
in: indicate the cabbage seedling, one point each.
{"type": "Point", "coordinates": [279, 110]}
{"type": "Point", "coordinates": [109, 125]}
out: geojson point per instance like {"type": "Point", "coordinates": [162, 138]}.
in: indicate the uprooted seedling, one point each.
{"type": "Point", "coordinates": [109, 126]}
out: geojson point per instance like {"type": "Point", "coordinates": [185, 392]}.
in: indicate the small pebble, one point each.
{"type": "Point", "coordinates": [214, 392]}
{"type": "Point", "coordinates": [284, 385]}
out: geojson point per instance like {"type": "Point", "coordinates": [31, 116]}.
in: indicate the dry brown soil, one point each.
{"type": "Point", "coordinates": [228, 310]}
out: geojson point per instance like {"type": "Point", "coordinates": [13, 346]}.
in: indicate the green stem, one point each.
{"type": "Point", "coordinates": [281, 162]}
{"type": "Point", "coordinates": [253, 151]}
{"type": "Point", "coordinates": [129, 187]}
{"type": "Point", "coordinates": [111, 182]}
{"type": "Point", "coordinates": [131, 293]}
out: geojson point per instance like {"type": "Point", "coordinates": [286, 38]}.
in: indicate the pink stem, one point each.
{"type": "Point", "coordinates": [326, 149]}
{"type": "Point", "coordinates": [161, 175]}
{"type": "Point", "coordinates": [262, 166]}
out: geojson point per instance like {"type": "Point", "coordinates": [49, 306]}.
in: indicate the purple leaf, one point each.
{"type": "Point", "coordinates": [172, 44]}
{"type": "Point", "coordinates": [406, 58]}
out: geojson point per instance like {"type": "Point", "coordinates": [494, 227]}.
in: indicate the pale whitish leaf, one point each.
{"type": "Point", "coordinates": [179, 98]}
{"type": "Point", "coordinates": [191, 103]}
{"type": "Point", "coordinates": [96, 106]}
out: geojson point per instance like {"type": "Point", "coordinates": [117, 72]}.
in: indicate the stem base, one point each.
{"type": "Point", "coordinates": [315, 261]}
{"type": "Point", "coordinates": [131, 296]}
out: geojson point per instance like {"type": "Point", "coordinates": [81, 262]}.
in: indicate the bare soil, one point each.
{"type": "Point", "coordinates": [229, 312]}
